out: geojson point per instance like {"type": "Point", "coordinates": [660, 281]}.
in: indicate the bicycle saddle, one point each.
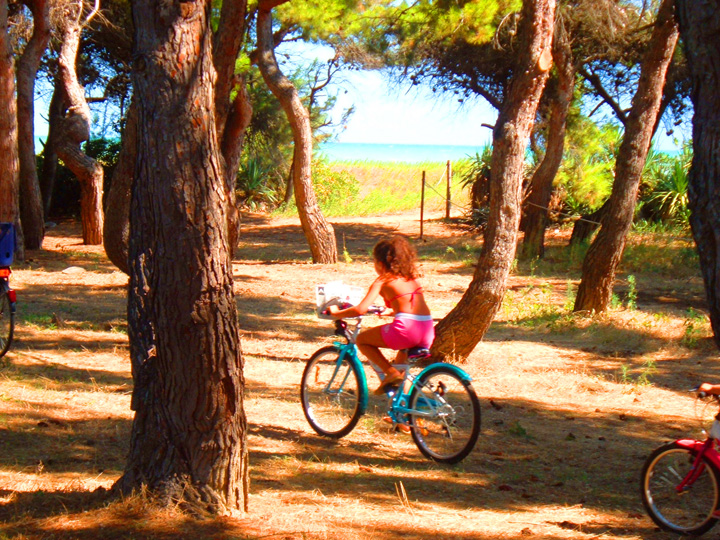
{"type": "Point", "coordinates": [418, 352]}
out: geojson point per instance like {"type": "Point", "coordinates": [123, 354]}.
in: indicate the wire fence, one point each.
{"type": "Point", "coordinates": [447, 177]}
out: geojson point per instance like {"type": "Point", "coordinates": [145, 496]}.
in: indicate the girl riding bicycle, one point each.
{"type": "Point", "coordinates": [397, 283]}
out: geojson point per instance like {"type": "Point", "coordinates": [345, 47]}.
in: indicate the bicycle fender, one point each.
{"type": "Point", "coordinates": [458, 371]}
{"type": "Point", "coordinates": [690, 444]}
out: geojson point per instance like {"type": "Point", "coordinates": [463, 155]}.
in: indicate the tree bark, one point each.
{"type": "Point", "coordinates": [318, 232]}
{"type": "Point", "coordinates": [586, 226]}
{"type": "Point", "coordinates": [232, 117]}
{"type": "Point", "coordinates": [50, 158]}
{"type": "Point", "coordinates": [74, 129]}
{"type": "Point", "coordinates": [9, 164]}
{"type": "Point", "coordinates": [188, 439]}
{"type": "Point", "coordinates": [32, 214]}
{"type": "Point", "coordinates": [700, 27]}
{"type": "Point", "coordinates": [605, 252]}
{"type": "Point", "coordinates": [116, 230]}
{"type": "Point", "coordinates": [541, 184]}
{"type": "Point", "coordinates": [461, 330]}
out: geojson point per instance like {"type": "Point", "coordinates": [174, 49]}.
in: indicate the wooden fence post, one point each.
{"type": "Point", "coordinates": [448, 173]}
{"type": "Point", "coordinates": [422, 205]}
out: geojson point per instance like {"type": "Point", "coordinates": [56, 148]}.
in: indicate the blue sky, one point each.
{"type": "Point", "coordinates": [388, 115]}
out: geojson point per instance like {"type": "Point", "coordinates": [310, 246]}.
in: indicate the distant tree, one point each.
{"type": "Point", "coordinates": [74, 125]}
{"type": "Point", "coordinates": [560, 88]}
{"type": "Point", "coordinates": [318, 232]}
{"type": "Point", "coordinates": [188, 440]}
{"type": "Point", "coordinates": [461, 330]}
{"type": "Point", "coordinates": [700, 27]}
{"type": "Point", "coordinates": [31, 206]}
{"type": "Point", "coordinates": [9, 166]}
{"type": "Point", "coordinates": [605, 252]}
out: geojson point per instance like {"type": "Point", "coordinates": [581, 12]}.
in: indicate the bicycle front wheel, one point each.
{"type": "Point", "coordinates": [689, 511]}
{"type": "Point", "coordinates": [445, 415]}
{"type": "Point", "coordinates": [331, 393]}
{"type": "Point", "coordinates": [7, 321]}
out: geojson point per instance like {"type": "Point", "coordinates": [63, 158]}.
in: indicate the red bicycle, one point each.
{"type": "Point", "coordinates": [7, 295]}
{"type": "Point", "coordinates": [679, 483]}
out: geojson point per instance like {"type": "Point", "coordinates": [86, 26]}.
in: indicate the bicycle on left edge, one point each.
{"type": "Point", "coordinates": [7, 295]}
{"type": "Point", "coordinates": [438, 406]}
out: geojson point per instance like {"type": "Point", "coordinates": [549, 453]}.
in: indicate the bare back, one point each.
{"type": "Point", "coordinates": [403, 295]}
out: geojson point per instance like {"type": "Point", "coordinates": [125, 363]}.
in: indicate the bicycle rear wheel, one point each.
{"type": "Point", "coordinates": [7, 320]}
{"type": "Point", "coordinates": [445, 421]}
{"type": "Point", "coordinates": [331, 393]}
{"type": "Point", "coordinates": [689, 511]}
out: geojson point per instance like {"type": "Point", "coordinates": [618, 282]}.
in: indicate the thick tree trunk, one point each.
{"type": "Point", "coordinates": [116, 231]}
{"type": "Point", "coordinates": [74, 129]}
{"type": "Point", "coordinates": [541, 184]}
{"type": "Point", "coordinates": [32, 214]}
{"type": "Point", "coordinates": [9, 166]}
{"type": "Point", "coordinates": [318, 232]}
{"type": "Point", "coordinates": [461, 330]}
{"type": "Point", "coordinates": [605, 252]}
{"type": "Point", "coordinates": [188, 439]}
{"type": "Point", "coordinates": [231, 118]}
{"type": "Point", "coordinates": [700, 27]}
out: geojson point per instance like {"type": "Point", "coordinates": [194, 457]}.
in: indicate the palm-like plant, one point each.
{"type": "Point", "coordinates": [670, 196]}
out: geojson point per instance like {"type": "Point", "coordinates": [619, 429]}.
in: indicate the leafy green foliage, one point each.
{"type": "Point", "coordinates": [664, 194]}
{"type": "Point", "coordinates": [253, 182]}
{"type": "Point", "coordinates": [586, 175]}
{"type": "Point", "coordinates": [334, 190]}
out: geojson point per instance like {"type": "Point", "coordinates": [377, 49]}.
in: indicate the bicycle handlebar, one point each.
{"type": "Point", "coordinates": [372, 310]}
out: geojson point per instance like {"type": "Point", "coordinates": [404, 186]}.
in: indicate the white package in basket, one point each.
{"type": "Point", "coordinates": [336, 290]}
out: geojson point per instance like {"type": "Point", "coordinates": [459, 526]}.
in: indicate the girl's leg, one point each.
{"type": "Point", "coordinates": [369, 342]}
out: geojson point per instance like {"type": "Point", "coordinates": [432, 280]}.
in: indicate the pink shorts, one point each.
{"type": "Point", "coordinates": [408, 330]}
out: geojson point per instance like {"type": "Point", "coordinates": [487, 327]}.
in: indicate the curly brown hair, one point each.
{"type": "Point", "coordinates": [398, 256]}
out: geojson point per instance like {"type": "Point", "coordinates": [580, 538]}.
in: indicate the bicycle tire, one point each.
{"type": "Point", "coordinates": [446, 423]}
{"type": "Point", "coordinates": [332, 394]}
{"type": "Point", "coordinates": [686, 513]}
{"type": "Point", "coordinates": [7, 321]}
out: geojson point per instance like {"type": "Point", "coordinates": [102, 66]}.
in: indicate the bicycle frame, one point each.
{"type": "Point", "coordinates": [399, 398]}
{"type": "Point", "coordinates": [700, 449]}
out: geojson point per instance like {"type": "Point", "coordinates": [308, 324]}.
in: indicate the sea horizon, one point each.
{"type": "Point", "coordinates": [397, 152]}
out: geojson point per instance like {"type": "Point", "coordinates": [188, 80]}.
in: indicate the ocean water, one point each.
{"type": "Point", "coordinates": [405, 153]}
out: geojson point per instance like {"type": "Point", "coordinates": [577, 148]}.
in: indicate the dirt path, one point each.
{"type": "Point", "coordinates": [571, 405]}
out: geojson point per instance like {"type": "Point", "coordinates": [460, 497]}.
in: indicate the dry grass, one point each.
{"type": "Point", "coordinates": [571, 405]}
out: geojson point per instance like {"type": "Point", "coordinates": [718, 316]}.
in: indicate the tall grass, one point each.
{"type": "Point", "coordinates": [387, 187]}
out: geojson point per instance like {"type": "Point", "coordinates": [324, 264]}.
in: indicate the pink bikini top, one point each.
{"type": "Point", "coordinates": [412, 297]}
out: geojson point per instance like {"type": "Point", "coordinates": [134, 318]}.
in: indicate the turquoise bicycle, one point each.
{"type": "Point", "coordinates": [438, 406]}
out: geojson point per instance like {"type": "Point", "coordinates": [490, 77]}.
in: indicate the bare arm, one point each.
{"type": "Point", "coordinates": [362, 307]}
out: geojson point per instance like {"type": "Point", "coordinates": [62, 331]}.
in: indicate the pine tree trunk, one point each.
{"type": "Point", "coordinates": [700, 27]}
{"type": "Point", "coordinates": [604, 254]}
{"type": "Point", "coordinates": [31, 206]}
{"type": "Point", "coordinates": [74, 129]}
{"type": "Point", "coordinates": [461, 330]}
{"type": "Point", "coordinates": [116, 230]}
{"type": "Point", "coordinates": [318, 232]}
{"type": "Point", "coordinates": [541, 184]}
{"type": "Point", "coordinates": [50, 158]}
{"type": "Point", "coordinates": [9, 165]}
{"type": "Point", "coordinates": [584, 227]}
{"type": "Point", "coordinates": [188, 439]}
